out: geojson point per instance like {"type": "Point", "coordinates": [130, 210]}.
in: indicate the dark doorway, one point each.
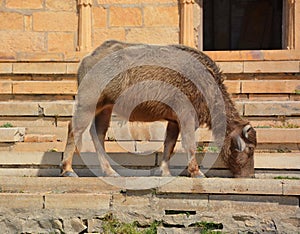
{"type": "Point", "coordinates": [242, 24]}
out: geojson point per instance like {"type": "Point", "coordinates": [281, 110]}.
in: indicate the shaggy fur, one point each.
{"type": "Point", "coordinates": [240, 162]}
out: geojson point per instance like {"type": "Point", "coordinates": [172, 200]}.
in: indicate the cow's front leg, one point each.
{"type": "Point", "coordinates": [193, 167]}
{"type": "Point", "coordinates": [189, 144]}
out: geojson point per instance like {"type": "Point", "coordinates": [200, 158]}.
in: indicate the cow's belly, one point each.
{"type": "Point", "coordinates": [149, 111]}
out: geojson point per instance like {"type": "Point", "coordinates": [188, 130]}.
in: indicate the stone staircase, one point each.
{"type": "Point", "coordinates": [39, 98]}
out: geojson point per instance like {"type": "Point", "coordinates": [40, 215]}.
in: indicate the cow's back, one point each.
{"type": "Point", "coordinates": [99, 53]}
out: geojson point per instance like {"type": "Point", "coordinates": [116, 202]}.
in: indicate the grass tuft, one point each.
{"type": "Point", "coordinates": [6, 125]}
{"type": "Point", "coordinates": [111, 225]}
{"type": "Point", "coordinates": [286, 178]}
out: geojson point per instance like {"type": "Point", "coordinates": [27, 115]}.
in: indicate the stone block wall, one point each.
{"type": "Point", "coordinates": [48, 29]}
{"type": "Point", "coordinates": [146, 21]}
{"type": "Point", "coordinates": [37, 26]}
{"type": "Point", "coordinates": [177, 205]}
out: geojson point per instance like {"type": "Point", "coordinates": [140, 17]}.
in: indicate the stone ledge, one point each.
{"type": "Point", "coordinates": [267, 87]}
{"type": "Point", "coordinates": [14, 134]}
{"type": "Point", "coordinates": [44, 87]}
{"type": "Point", "coordinates": [39, 68]}
{"type": "Point", "coordinates": [125, 163]}
{"type": "Point", "coordinates": [162, 185]}
{"type": "Point", "coordinates": [271, 108]}
{"type": "Point", "coordinates": [65, 108]}
{"type": "Point", "coordinates": [254, 55]}
{"type": "Point", "coordinates": [229, 56]}
{"type": "Point", "coordinates": [36, 108]}
{"type": "Point", "coordinates": [64, 67]}
{"type": "Point", "coordinates": [72, 201]}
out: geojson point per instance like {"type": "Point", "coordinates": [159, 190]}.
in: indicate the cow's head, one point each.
{"type": "Point", "coordinates": [240, 152]}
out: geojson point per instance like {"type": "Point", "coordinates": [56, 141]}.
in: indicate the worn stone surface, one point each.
{"type": "Point", "coordinates": [74, 225]}
{"type": "Point", "coordinates": [45, 87]}
{"type": "Point", "coordinates": [102, 34]}
{"type": "Point", "coordinates": [61, 41]}
{"type": "Point", "coordinates": [161, 35]}
{"type": "Point", "coordinates": [271, 66]}
{"type": "Point", "coordinates": [10, 200]}
{"type": "Point", "coordinates": [163, 230]}
{"type": "Point", "coordinates": [11, 21]}
{"type": "Point", "coordinates": [19, 41]}
{"type": "Point", "coordinates": [57, 5]}
{"type": "Point", "coordinates": [5, 68]}
{"type": "Point", "coordinates": [21, 4]}
{"type": "Point", "coordinates": [95, 225]}
{"type": "Point", "coordinates": [275, 86]}
{"type": "Point", "coordinates": [18, 108]}
{"type": "Point", "coordinates": [231, 67]}
{"type": "Point", "coordinates": [181, 212]}
{"type": "Point", "coordinates": [133, 16]}
{"type": "Point", "coordinates": [161, 16]}
{"type": "Point", "coordinates": [73, 201]}
{"type": "Point", "coordinates": [59, 108]}
{"type": "Point", "coordinates": [12, 134]}
{"type": "Point", "coordinates": [272, 108]}
{"type": "Point", "coordinates": [64, 21]}
{"type": "Point", "coordinates": [40, 68]}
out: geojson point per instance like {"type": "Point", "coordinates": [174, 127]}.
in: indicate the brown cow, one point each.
{"type": "Point", "coordinates": [160, 89]}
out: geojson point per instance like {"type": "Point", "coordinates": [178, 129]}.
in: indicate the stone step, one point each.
{"type": "Point", "coordinates": [268, 161]}
{"type": "Point", "coordinates": [69, 87]}
{"type": "Point", "coordinates": [44, 87]}
{"type": "Point", "coordinates": [141, 138]}
{"type": "Point", "coordinates": [65, 108]}
{"type": "Point", "coordinates": [37, 67]}
{"type": "Point", "coordinates": [12, 134]}
{"type": "Point", "coordinates": [35, 108]}
{"type": "Point", "coordinates": [108, 185]}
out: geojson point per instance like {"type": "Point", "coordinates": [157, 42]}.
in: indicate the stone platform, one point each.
{"type": "Point", "coordinates": [80, 205]}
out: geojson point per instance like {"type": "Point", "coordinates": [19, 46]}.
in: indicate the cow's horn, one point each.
{"type": "Point", "coordinates": [246, 129]}
{"type": "Point", "coordinates": [241, 143]}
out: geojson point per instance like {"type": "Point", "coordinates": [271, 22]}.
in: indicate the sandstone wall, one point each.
{"type": "Point", "coordinates": [37, 26]}
{"type": "Point", "coordinates": [49, 28]}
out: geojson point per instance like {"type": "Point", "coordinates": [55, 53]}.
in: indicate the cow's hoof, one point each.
{"type": "Point", "coordinates": [111, 174]}
{"type": "Point", "coordinates": [166, 174]}
{"type": "Point", "coordinates": [198, 174]}
{"type": "Point", "coordinates": [115, 175]}
{"type": "Point", "coordinates": [69, 174]}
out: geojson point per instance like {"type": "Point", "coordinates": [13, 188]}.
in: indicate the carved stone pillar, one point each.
{"type": "Point", "coordinates": [186, 22]}
{"type": "Point", "coordinates": [85, 25]}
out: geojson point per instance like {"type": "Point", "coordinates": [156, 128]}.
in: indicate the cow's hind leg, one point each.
{"type": "Point", "coordinates": [66, 163]}
{"type": "Point", "coordinates": [169, 144]}
{"type": "Point", "coordinates": [98, 131]}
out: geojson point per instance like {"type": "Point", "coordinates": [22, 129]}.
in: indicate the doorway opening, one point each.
{"type": "Point", "coordinates": [242, 24]}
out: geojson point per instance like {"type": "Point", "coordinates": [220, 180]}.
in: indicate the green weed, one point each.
{"type": "Point", "coordinates": [6, 125]}
{"type": "Point", "coordinates": [286, 178]}
{"type": "Point", "coordinates": [111, 225]}
{"type": "Point", "coordinates": [209, 149]}
{"type": "Point", "coordinates": [209, 227]}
